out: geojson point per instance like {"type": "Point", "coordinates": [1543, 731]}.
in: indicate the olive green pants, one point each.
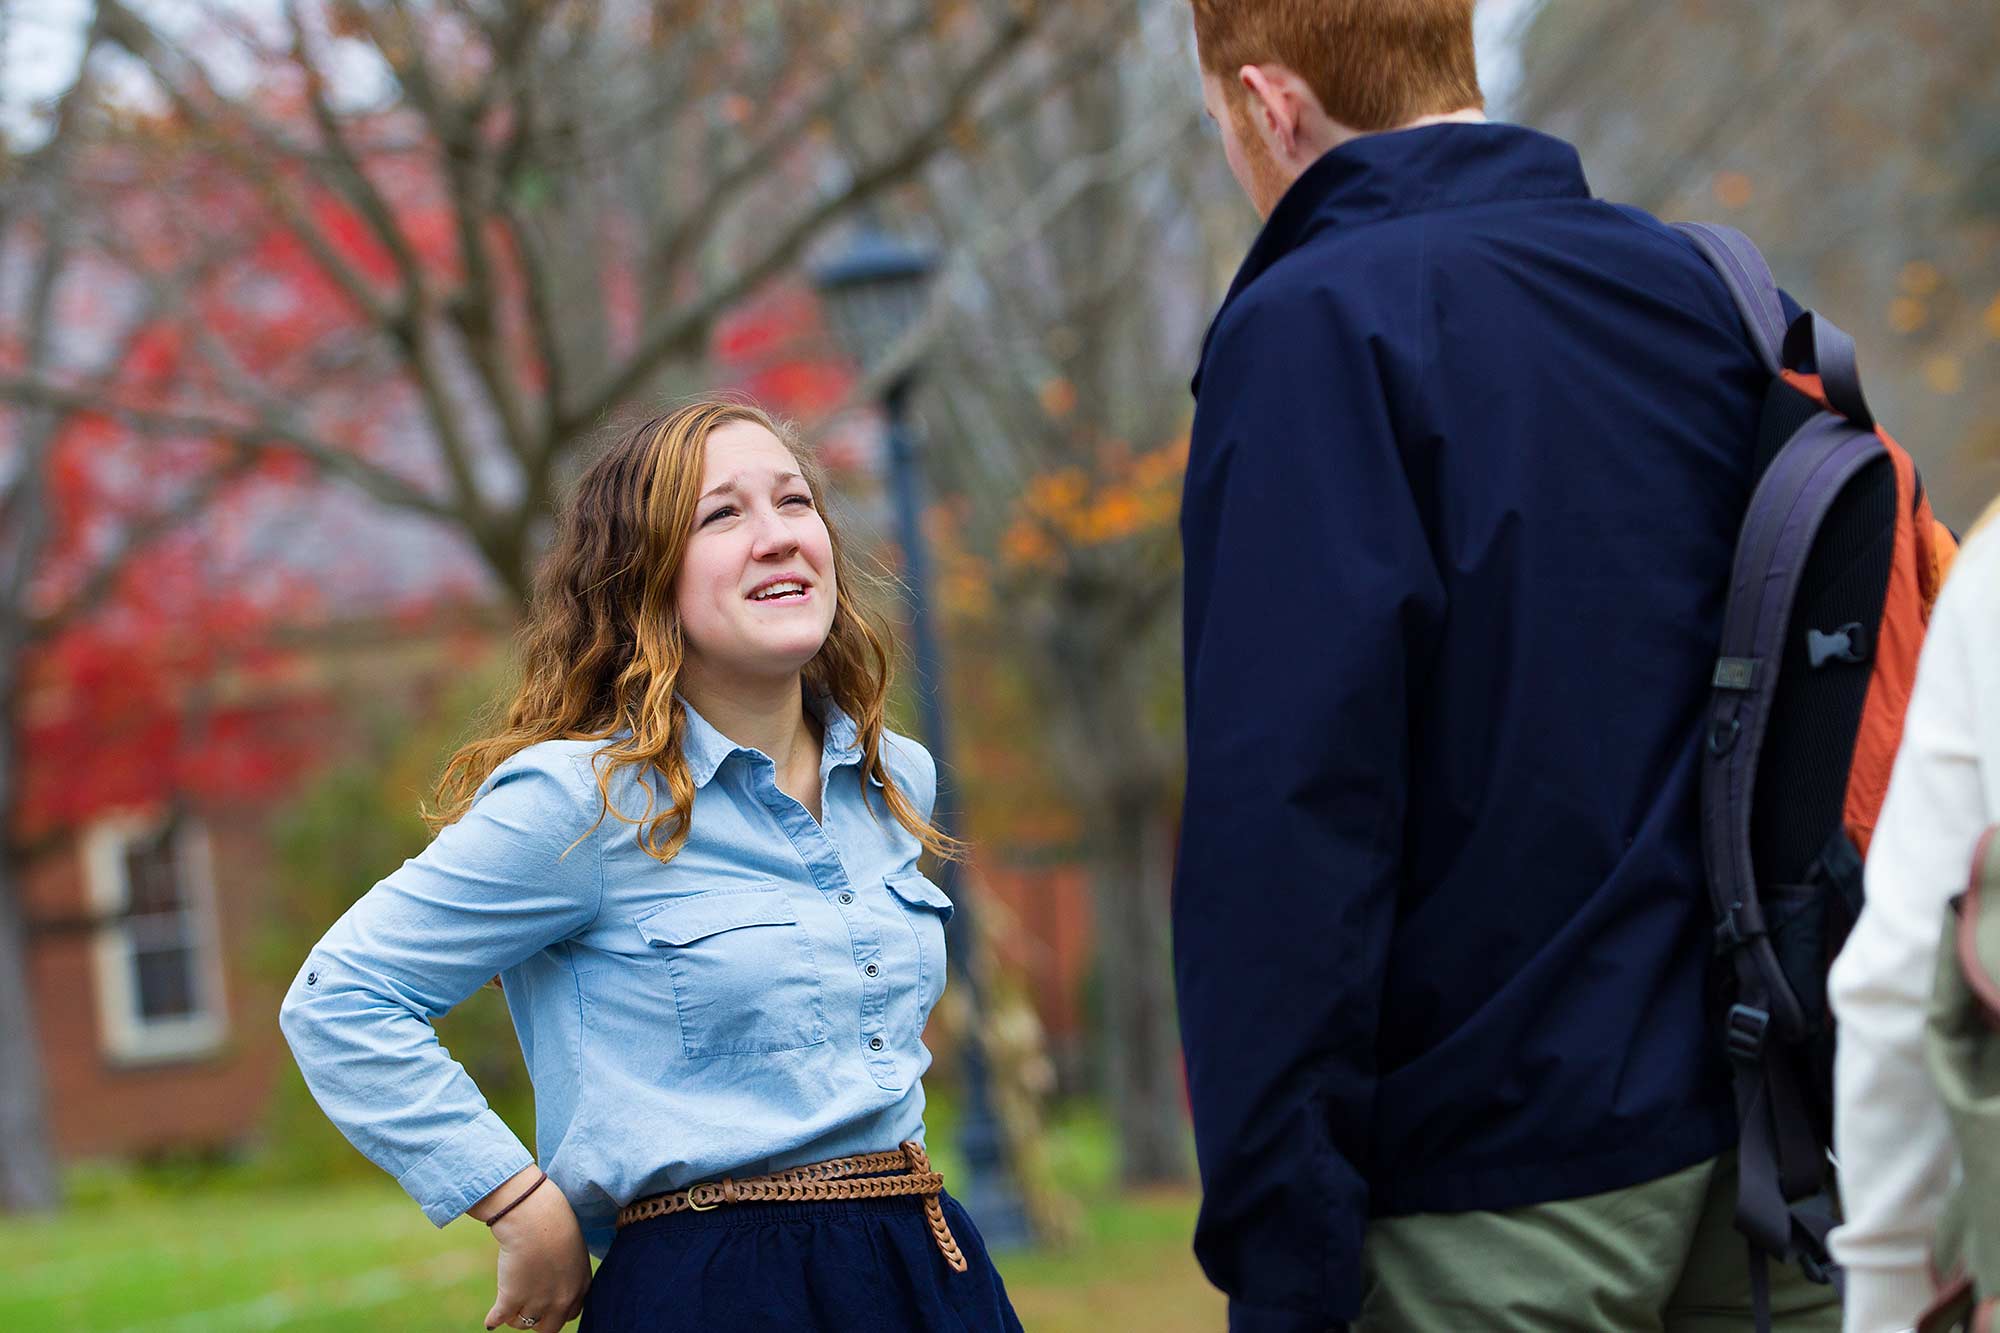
{"type": "Point", "coordinates": [1663, 1257]}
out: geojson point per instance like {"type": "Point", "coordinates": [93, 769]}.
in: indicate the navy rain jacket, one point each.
{"type": "Point", "coordinates": [1470, 452]}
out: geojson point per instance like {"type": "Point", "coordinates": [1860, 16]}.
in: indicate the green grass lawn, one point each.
{"type": "Point", "coordinates": [361, 1256]}
{"type": "Point", "coordinates": [358, 1255]}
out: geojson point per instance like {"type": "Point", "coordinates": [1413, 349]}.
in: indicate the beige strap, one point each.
{"type": "Point", "coordinates": [920, 1166]}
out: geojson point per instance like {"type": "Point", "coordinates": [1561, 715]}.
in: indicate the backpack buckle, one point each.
{"type": "Point", "coordinates": [1730, 935]}
{"type": "Point", "coordinates": [1849, 643]}
{"type": "Point", "coordinates": [1743, 1032]}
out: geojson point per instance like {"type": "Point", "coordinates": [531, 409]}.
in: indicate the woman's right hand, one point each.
{"type": "Point", "coordinates": [544, 1268]}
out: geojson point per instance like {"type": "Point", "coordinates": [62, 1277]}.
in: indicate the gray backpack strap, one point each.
{"type": "Point", "coordinates": [1743, 270]}
{"type": "Point", "coordinates": [1832, 353]}
{"type": "Point", "coordinates": [1780, 1163]}
{"type": "Point", "coordinates": [1782, 1206]}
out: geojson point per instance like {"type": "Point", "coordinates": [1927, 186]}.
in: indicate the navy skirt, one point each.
{"type": "Point", "coordinates": [839, 1266]}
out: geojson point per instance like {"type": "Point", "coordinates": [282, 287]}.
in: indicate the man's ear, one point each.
{"type": "Point", "coordinates": [1274, 108]}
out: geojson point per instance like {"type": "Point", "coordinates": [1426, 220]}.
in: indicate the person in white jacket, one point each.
{"type": "Point", "coordinates": [1890, 1133]}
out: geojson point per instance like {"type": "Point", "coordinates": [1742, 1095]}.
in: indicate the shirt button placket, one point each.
{"type": "Point", "coordinates": [809, 838]}
{"type": "Point", "coordinates": [874, 989]}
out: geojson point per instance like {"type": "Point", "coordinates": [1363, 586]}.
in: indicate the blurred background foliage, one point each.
{"type": "Point", "coordinates": [353, 823]}
{"type": "Point", "coordinates": [309, 309]}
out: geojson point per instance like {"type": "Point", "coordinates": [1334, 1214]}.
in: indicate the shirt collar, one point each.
{"type": "Point", "coordinates": [705, 748]}
{"type": "Point", "coordinates": [843, 737]}
{"type": "Point", "coordinates": [1376, 177]}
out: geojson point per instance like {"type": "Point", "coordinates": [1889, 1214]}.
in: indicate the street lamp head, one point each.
{"type": "Point", "coordinates": [874, 289]}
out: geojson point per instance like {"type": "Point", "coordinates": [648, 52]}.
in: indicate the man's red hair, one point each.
{"type": "Point", "coordinates": [1373, 64]}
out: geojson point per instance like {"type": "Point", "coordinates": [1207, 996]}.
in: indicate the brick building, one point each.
{"type": "Point", "coordinates": [145, 921]}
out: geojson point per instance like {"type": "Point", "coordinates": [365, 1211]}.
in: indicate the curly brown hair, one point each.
{"type": "Point", "coordinates": [602, 649]}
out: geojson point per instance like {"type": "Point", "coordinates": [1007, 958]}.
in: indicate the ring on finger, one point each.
{"type": "Point", "coordinates": [528, 1320]}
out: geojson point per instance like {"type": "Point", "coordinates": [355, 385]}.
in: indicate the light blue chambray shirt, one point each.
{"type": "Point", "coordinates": [756, 1003]}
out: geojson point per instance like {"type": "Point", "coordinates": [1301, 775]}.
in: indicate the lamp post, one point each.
{"type": "Point", "coordinates": [873, 291]}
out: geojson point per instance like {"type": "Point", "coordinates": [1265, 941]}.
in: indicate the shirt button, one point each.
{"type": "Point", "coordinates": [846, 900]}
{"type": "Point", "coordinates": [872, 970]}
{"type": "Point", "coordinates": [312, 978]}
{"type": "Point", "coordinates": [874, 1043]}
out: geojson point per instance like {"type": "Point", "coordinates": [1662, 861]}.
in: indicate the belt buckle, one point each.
{"type": "Point", "coordinates": [695, 1195]}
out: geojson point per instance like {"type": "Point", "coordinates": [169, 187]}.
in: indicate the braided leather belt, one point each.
{"type": "Point", "coordinates": [877, 1175]}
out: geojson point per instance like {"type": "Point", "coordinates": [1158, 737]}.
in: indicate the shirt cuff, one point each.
{"type": "Point", "coordinates": [1885, 1300]}
{"type": "Point", "coordinates": [465, 1168]}
{"type": "Point", "coordinates": [1269, 1319]}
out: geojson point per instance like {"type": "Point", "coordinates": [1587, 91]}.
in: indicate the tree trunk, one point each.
{"type": "Point", "coordinates": [1131, 857]}
{"type": "Point", "coordinates": [28, 1180]}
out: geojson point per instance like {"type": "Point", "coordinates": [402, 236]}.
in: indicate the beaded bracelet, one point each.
{"type": "Point", "coordinates": [519, 1199]}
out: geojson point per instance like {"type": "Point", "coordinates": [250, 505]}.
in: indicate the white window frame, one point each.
{"type": "Point", "coordinates": [128, 1036]}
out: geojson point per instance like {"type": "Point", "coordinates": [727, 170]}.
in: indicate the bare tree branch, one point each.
{"type": "Point", "coordinates": [348, 174]}
{"type": "Point", "coordinates": [26, 503]}
{"type": "Point", "coordinates": [273, 437]}
{"type": "Point", "coordinates": [493, 95]}
{"type": "Point", "coordinates": [676, 241]}
{"type": "Point", "coordinates": [1022, 226]}
{"type": "Point", "coordinates": [405, 323]}
{"type": "Point", "coordinates": [267, 172]}
{"type": "Point", "coordinates": [469, 179]}
{"type": "Point", "coordinates": [683, 329]}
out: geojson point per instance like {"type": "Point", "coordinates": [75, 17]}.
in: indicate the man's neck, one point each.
{"type": "Point", "coordinates": [1472, 115]}
{"type": "Point", "coordinates": [1469, 116]}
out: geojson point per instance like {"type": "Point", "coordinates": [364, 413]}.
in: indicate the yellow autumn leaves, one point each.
{"type": "Point", "coordinates": [1911, 311]}
{"type": "Point", "coordinates": [1128, 493]}
{"type": "Point", "coordinates": [1123, 496]}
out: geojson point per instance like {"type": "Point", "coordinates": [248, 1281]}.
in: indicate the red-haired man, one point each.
{"type": "Point", "coordinates": [1470, 451]}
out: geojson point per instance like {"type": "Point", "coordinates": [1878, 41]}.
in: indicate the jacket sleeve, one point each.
{"type": "Point", "coordinates": [1891, 1135]}
{"type": "Point", "coordinates": [491, 890]}
{"type": "Point", "coordinates": [1311, 599]}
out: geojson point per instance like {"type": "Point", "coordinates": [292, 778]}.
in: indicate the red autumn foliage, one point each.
{"type": "Point", "coordinates": [174, 684]}
{"type": "Point", "coordinates": [132, 710]}
{"type": "Point", "coordinates": [779, 351]}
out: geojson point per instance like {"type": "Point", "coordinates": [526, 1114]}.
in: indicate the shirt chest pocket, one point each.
{"type": "Point", "coordinates": [742, 970]}
{"type": "Point", "coordinates": [924, 909]}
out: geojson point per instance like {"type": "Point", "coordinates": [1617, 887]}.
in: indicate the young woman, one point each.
{"type": "Point", "coordinates": [690, 854]}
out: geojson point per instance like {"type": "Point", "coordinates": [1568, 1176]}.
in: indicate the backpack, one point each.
{"type": "Point", "coordinates": [1958, 1047]}
{"type": "Point", "coordinates": [1837, 564]}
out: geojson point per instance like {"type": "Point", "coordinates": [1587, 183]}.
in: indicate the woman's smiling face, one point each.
{"type": "Point", "coordinates": [755, 591]}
